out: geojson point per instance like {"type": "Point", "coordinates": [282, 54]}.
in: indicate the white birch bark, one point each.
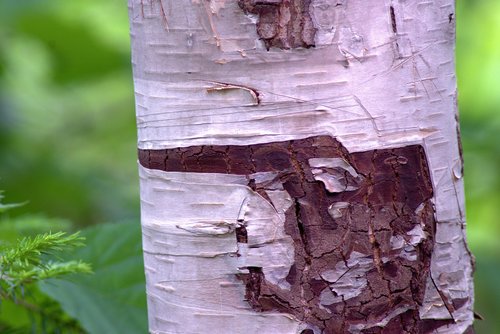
{"type": "Point", "coordinates": [369, 82]}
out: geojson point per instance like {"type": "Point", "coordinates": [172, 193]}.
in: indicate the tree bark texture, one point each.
{"type": "Point", "coordinates": [300, 166]}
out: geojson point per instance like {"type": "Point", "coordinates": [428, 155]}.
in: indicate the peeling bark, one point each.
{"type": "Point", "coordinates": [300, 167]}
{"type": "Point", "coordinates": [283, 24]}
{"type": "Point", "coordinates": [352, 269]}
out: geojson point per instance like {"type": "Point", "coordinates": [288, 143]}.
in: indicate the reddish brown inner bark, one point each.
{"type": "Point", "coordinates": [283, 24]}
{"type": "Point", "coordinates": [392, 198]}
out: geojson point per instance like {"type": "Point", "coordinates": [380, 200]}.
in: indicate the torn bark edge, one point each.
{"type": "Point", "coordinates": [443, 297]}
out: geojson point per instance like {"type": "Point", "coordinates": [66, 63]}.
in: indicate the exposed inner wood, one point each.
{"type": "Point", "coordinates": [344, 239]}
{"type": "Point", "coordinates": [284, 24]}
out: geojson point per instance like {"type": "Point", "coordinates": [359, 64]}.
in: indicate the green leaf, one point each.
{"type": "Point", "coordinates": [113, 299]}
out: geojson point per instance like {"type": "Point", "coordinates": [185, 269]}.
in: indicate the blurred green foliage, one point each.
{"type": "Point", "coordinates": [46, 289]}
{"type": "Point", "coordinates": [28, 254]}
{"type": "Point", "coordinates": [478, 70]}
{"type": "Point", "coordinates": [113, 300]}
{"type": "Point", "coordinates": [67, 125]}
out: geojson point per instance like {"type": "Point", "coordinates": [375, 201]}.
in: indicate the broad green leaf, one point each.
{"type": "Point", "coordinates": [113, 299]}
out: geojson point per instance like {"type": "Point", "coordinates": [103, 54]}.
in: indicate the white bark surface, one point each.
{"type": "Point", "coordinates": [203, 77]}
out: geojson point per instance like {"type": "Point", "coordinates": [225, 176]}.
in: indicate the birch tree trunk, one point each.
{"type": "Point", "coordinates": [300, 166]}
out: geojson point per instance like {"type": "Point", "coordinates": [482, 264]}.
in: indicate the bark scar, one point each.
{"type": "Point", "coordinates": [357, 262]}
{"type": "Point", "coordinates": [284, 24]}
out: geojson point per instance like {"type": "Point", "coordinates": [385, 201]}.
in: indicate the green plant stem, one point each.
{"type": "Point", "coordinates": [31, 307]}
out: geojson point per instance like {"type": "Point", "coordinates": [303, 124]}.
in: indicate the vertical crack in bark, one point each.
{"type": "Point", "coordinates": [154, 6]}
{"type": "Point", "coordinates": [302, 231]}
{"type": "Point", "coordinates": [393, 20]}
{"type": "Point", "coordinates": [445, 300]}
{"type": "Point", "coordinates": [394, 25]}
{"type": "Point", "coordinates": [362, 243]}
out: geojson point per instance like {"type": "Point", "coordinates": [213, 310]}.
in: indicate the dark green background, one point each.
{"type": "Point", "coordinates": [67, 124]}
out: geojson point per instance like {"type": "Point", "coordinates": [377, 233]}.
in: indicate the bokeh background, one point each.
{"type": "Point", "coordinates": [67, 124]}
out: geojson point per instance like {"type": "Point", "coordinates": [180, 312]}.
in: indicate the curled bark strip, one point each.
{"type": "Point", "coordinates": [221, 87]}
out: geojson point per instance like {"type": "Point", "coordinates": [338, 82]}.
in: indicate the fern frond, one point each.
{"type": "Point", "coordinates": [23, 264]}
{"type": "Point", "coordinates": [29, 249]}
